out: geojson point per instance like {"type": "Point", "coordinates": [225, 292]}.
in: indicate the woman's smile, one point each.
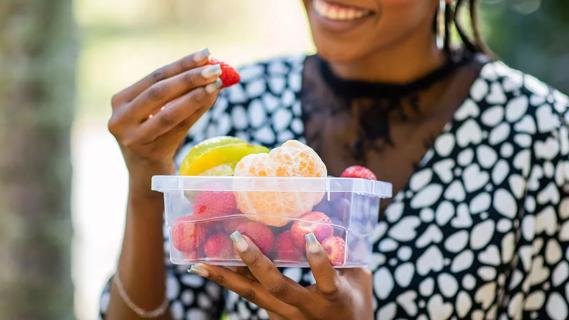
{"type": "Point", "coordinates": [338, 17]}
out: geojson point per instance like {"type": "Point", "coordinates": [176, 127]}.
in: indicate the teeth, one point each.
{"type": "Point", "coordinates": [336, 12]}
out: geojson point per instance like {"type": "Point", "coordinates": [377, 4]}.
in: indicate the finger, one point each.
{"type": "Point", "coordinates": [274, 316]}
{"type": "Point", "coordinates": [176, 112]}
{"type": "Point", "coordinates": [182, 129]}
{"type": "Point", "coordinates": [360, 277]}
{"type": "Point", "coordinates": [267, 274]}
{"type": "Point", "coordinates": [246, 288]}
{"type": "Point", "coordinates": [176, 136]}
{"type": "Point", "coordinates": [191, 61]}
{"type": "Point", "coordinates": [327, 280]}
{"type": "Point", "coordinates": [163, 92]}
{"type": "Point", "coordinates": [244, 271]}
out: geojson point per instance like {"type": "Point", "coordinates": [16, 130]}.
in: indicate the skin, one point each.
{"type": "Point", "coordinates": [399, 31]}
{"type": "Point", "coordinates": [148, 146]}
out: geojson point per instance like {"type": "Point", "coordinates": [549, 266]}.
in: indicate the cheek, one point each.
{"type": "Point", "coordinates": [407, 4]}
{"type": "Point", "coordinates": [396, 21]}
{"type": "Point", "coordinates": [404, 15]}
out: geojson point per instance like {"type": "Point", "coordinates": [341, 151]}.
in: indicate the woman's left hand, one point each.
{"type": "Point", "coordinates": [344, 294]}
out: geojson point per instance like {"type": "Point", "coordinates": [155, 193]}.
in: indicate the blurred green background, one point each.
{"type": "Point", "coordinates": [60, 62]}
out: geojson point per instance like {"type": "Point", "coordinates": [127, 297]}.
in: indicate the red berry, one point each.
{"type": "Point", "coordinates": [359, 172]}
{"type": "Point", "coordinates": [209, 204]}
{"type": "Point", "coordinates": [187, 235]}
{"type": "Point", "coordinates": [230, 224]}
{"type": "Point", "coordinates": [285, 248]}
{"type": "Point", "coordinates": [315, 222]}
{"type": "Point", "coordinates": [218, 246]}
{"type": "Point", "coordinates": [335, 248]}
{"type": "Point", "coordinates": [229, 75]}
{"type": "Point", "coordinates": [259, 233]}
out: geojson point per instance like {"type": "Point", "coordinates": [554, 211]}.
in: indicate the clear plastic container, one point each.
{"type": "Point", "coordinates": [274, 212]}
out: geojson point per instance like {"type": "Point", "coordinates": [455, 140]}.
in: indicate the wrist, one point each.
{"type": "Point", "coordinates": [145, 210]}
{"type": "Point", "coordinates": [140, 177]}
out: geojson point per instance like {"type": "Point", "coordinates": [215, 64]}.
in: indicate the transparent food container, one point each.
{"type": "Point", "coordinates": [274, 212]}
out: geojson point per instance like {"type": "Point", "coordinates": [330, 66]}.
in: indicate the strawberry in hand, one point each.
{"type": "Point", "coordinates": [229, 75]}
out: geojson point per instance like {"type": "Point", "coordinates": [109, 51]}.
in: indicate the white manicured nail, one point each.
{"type": "Point", "coordinates": [199, 270]}
{"type": "Point", "coordinates": [240, 242]}
{"type": "Point", "coordinates": [212, 87]}
{"type": "Point", "coordinates": [201, 55]}
{"type": "Point", "coordinates": [211, 71]}
{"type": "Point", "coordinates": [312, 243]}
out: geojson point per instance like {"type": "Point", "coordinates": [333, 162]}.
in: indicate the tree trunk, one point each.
{"type": "Point", "coordinates": [37, 63]}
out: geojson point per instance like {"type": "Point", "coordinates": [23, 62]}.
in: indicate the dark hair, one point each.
{"type": "Point", "coordinates": [473, 43]}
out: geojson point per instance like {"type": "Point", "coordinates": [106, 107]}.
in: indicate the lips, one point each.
{"type": "Point", "coordinates": [339, 12]}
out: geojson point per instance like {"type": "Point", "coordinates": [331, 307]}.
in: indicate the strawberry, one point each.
{"type": "Point", "coordinates": [218, 246]}
{"type": "Point", "coordinates": [187, 236]}
{"type": "Point", "coordinates": [285, 248]}
{"type": "Point", "coordinates": [230, 224]}
{"type": "Point", "coordinates": [229, 75]}
{"type": "Point", "coordinates": [359, 172]}
{"type": "Point", "coordinates": [259, 233]}
{"type": "Point", "coordinates": [315, 222]}
{"type": "Point", "coordinates": [209, 204]}
{"type": "Point", "coordinates": [335, 248]}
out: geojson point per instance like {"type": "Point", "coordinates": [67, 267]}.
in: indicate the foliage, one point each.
{"type": "Point", "coordinates": [531, 35]}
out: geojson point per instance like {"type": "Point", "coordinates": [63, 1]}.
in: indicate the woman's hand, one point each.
{"type": "Point", "coordinates": [344, 294]}
{"type": "Point", "coordinates": [151, 118]}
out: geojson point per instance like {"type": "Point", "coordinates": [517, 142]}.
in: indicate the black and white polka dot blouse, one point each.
{"type": "Point", "coordinates": [481, 231]}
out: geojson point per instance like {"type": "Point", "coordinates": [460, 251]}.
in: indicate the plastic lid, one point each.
{"type": "Point", "coordinates": [271, 184]}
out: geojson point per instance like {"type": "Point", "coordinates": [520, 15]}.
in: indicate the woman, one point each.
{"type": "Point", "coordinates": [477, 153]}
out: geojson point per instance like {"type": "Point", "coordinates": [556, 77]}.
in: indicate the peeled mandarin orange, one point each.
{"type": "Point", "coordinates": [292, 159]}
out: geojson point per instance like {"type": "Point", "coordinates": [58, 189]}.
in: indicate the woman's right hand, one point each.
{"type": "Point", "coordinates": [151, 118]}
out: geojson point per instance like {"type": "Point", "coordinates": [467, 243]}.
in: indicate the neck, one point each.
{"type": "Point", "coordinates": [399, 64]}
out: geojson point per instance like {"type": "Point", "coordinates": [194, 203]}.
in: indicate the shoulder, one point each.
{"type": "Point", "coordinates": [529, 104]}
{"type": "Point", "coordinates": [536, 117]}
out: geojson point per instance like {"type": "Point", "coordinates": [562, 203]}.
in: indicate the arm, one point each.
{"type": "Point", "coordinates": [141, 264]}
{"type": "Point", "coordinates": [150, 120]}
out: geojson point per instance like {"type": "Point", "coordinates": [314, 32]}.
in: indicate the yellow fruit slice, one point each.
{"type": "Point", "coordinates": [215, 152]}
{"type": "Point", "coordinates": [208, 144]}
{"type": "Point", "coordinates": [222, 170]}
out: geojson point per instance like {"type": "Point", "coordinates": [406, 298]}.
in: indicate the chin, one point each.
{"type": "Point", "coordinates": [339, 54]}
{"type": "Point", "coordinates": [342, 33]}
{"type": "Point", "coordinates": [348, 31]}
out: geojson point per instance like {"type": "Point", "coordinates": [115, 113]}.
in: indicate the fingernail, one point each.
{"type": "Point", "coordinates": [199, 270]}
{"type": "Point", "coordinates": [211, 71]}
{"type": "Point", "coordinates": [201, 55]}
{"type": "Point", "coordinates": [212, 87]}
{"type": "Point", "coordinates": [312, 243]}
{"type": "Point", "coordinates": [240, 242]}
